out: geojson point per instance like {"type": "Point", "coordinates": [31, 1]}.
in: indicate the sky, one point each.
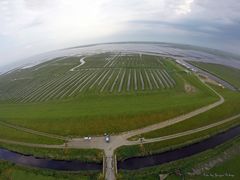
{"type": "Point", "coordinates": [29, 27]}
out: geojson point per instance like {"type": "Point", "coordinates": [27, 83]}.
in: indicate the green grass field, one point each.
{"type": "Point", "coordinates": [110, 92]}
{"type": "Point", "coordinates": [227, 170]}
{"type": "Point", "coordinates": [229, 108]}
{"type": "Point", "coordinates": [229, 74]}
{"type": "Point", "coordinates": [17, 135]}
{"type": "Point", "coordinates": [64, 78]}
{"type": "Point", "coordinates": [152, 89]}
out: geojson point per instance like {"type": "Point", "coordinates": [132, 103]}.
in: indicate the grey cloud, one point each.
{"type": "Point", "coordinates": [33, 23]}
{"type": "Point", "coordinates": [62, 22]}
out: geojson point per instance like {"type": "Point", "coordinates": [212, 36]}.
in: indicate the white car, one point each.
{"type": "Point", "coordinates": [87, 138]}
{"type": "Point", "coordinates": [107, 138]}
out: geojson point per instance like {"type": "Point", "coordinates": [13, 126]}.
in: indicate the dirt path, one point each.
{"type": "Point", "coordinates": [53, 136]}
{"type": "Point", "coordinates": [176, 119]}
{"type": "Point", "coordinates": [116, 141]}
{"type": "Point", "coordinates": [32, 144]}
{"type": "Point", "coordinates": [121, 139]}
{"type": "Point", "coordinates": [82, 62]}
{"type": "Point", "coordinates": [185, 133]}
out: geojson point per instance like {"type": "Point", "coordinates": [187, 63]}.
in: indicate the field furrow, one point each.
{"type": "Point", "coordinates": [135, 80]}
{"type": "Point", "coordinates": [54, 87]}
{"type": "Point", "coordinates": [148, 79]}
{"type": "Point", "coordinates": [159, 79]}
{"type": "Point", "coordinates": [106, 82]}
{"type": "Point", "coordinates": [129, 80]}
{"type": "Point", "coordinates": [89, 81]}
{"type": "Point", "coordinates": [100, 73]}
{"type": "Point", "coordinates": [154, 80]}
{"type": "Point", "coordinates": [102, 79]}
{"type": "Point", "coordinates": [73, 84]}
{"type": "Point", "coordinates": [30, 92]}
{"type": "Point", "coordinates": [164, 80]}
{"type": "Point", "coordinates": [115, 81]}
{"type": "Point", "coordinates": [141, 79]}
{"type": "Point", "coordinates": [42, 91]}
{"type": "Point", "coordinates": [97, 80]}
{"type": "Point", "coordinates": [60, 88]}
{"type": "Point", "coordinates": [169, 77]}
{"type": "Point", "coordinates": [121, 82]}
{"type": "Point", "coordinates": [82, 83]}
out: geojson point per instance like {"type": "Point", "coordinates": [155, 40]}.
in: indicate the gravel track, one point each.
{"type": "Point", "coordinates": [121, 139]}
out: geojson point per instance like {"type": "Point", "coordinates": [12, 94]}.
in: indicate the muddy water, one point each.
{"type": "Point", "coordinates": [130, 164]}
{"type": "Point", "coordinates": [32, 161]}
{"type": "Point", "coordinates": [173, 155]}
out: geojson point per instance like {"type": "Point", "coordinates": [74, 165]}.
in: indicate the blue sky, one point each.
{"type": "Point", "coordinates": [30, 27]}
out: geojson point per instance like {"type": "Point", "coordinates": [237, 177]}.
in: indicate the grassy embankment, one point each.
{"type": "Point", "coordinates": [11, 134]}
{"type": "Point", "coordinates": [96, 114]}
{"type": "Point", "coordinates": [85, 155]}
{"type": "Point", "coordinates": [125, 152]}
{"type": "Point", "coordinates": [228, 170]}
{"type": "Point", "coordinates": [228, 109]}
{"type": "Point", "coordinates": [184, 166]}
{"type": "Point", "coordinates": [229, 74]}
{"type": "Point", "coordinates": [13, 172]}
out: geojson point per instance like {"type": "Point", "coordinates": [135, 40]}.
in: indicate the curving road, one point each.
{"type": "Point", "coordinates": [122, 139]}
{"type": "Point", "coordinates": [30, 131]}
{"type": "Point", "coordinates": [82, 62]}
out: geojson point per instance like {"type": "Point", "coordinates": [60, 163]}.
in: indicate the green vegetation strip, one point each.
{"type": "Point", "coordinates": [180, 169]}
{"type": "Point", "coordinates": [111, 113]}
{"type": "Point", "coordinates": [85, 155]}
{"type": "Point", "coordinates": [125, 152]}
{"type": "Point", "coordinates": [228, 169]}
{"type": "Point", "coordinates": [229, 74]}
{"type": "Point", "coordinates": [11, 134]}
{"type": "Point", "coordinates": [229, 108]}
{"type": "Point", "coordinates": [14, 172]}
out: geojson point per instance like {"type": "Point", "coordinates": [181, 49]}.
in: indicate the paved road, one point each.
{"type": "Point", "coordinates": [176, 119]}
{"type": "Point", "coordinates": [54, 136]}
{"type": "Point", "coordinates": [121, 139]}
{"type": "Point", "coordinates": [110, 169]}
{"type": "Point", "coordinates": [57, 146]}
{"type": "Point", "coordinates": [212, 76]}
{"type": "Point", "coordinates": [116, 141]}
{"type": "Point", "coordinates": [185, 133]}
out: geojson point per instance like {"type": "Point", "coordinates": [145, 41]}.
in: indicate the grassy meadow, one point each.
{"type": "Point", "coordinates": [113, 113]}
{"type": "Point", "coordinates": [229, 108]}
{"type": "Point", "coordinates": [7, 133]}
{"type": "Point", "coordinates": [229, 74]}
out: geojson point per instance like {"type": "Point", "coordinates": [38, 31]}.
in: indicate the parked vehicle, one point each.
{"type": "Point", "coordinates": [107, 137]}
{"type": "Point", "coordinates": [87, 138]}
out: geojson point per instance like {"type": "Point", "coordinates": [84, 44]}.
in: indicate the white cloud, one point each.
{"type": "Point", "coordinates": [83, 18]}
{"type": "Point", "coordinates": [185, 7]}
{"type": "Point", "coordinates": [42, 25]}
